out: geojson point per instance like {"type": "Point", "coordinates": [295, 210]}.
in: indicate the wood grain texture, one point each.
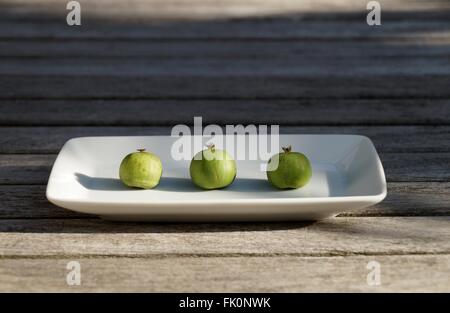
{"type": "Point", "coordinates": [408, 199]}
{"type": "Point", "coordinates": [285, 112]}
{"type": "Point", "coordinates": [18, 169]}
{"type": "Point", "coordinates": [404, 27]}
{"type": "Point", "coordinates": [49, 140]}
{"type": "Point", "coordinates": [29, 202]}
{"type": "Point", "coordinates": [205, 9]}
{"type": "Point", "coordinates": [404, 167]}
{"type": "Point", "coordinates": [332, 237]}
{"type": "Point", "coordinates": [297, 68]}
{"type": "Point", "coordinates": [137, 67]}
{"type": "Point", "coordinates": [416, 273]}
{"type": "Point", "coordinates": [221, 86]}
{"type": "Point", "coordinates": [165, 49]}
{"type": "Point", "coordinates": [403, 199]}
{"type": "Point", "coordinates": [225, 20]}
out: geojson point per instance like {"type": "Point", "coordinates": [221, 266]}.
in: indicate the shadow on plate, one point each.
{"type": "Point", "coordinates": [100, 183]}
{"type": "Point", "coordinates": [172, 184]}
{"type": "Point", "coordinates": [114, 184]}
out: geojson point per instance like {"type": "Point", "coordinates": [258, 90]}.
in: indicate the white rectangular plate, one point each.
{"type": "Point", "coordinates": [347, 175]}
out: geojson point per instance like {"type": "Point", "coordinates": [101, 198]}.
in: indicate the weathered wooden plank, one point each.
{"type": "Point", "coordinates": [225, 49]}
{"type": "Point", "coordinates": [423, 26]}
{"type": "Point", "coordinates": [205, 19]}
{"type": "Point", "coordinates": [314, 67]}
{"type": "Point", "coordinates": [285, 112]}
{"type": "Point", "coordinates": [332, 237]}
{"type": "Point", "coordinates": [332, 85]}
{"type": "Point", "coordinates": [49, 140]}
{"type": "Point", "coordinates": [412, 273]}
{"type": "Point", "coordinates": [22, 168]}
{"type": "Point", "coordinates": [410, 199]}
{"type": "Point", "coordinates": [30, 202]}
{"type": "Point", "coordinates": [399, 167]}
{"type": "Point", "coordinates": [403, 199]}
{"type": "Point", "coordinates": [404, 167]}
{"type": "Point", "coordinates": [201, 10]}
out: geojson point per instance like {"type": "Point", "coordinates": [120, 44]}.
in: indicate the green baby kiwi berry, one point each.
{"type": "Point", "coordinates": [212, 169]}
{"type": "Point", "coordinates": [293, 171]}
{"type": "Point", "coordinates": [141, 170]}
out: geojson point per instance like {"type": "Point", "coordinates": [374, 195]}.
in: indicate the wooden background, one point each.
{"type": "Point", "coordinates": [138, 67]}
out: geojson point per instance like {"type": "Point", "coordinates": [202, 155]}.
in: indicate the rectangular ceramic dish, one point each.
{"type": "Point", "coordinates": [347, 175]}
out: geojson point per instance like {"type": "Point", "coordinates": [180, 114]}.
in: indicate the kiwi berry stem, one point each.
{"type": "Point", "coordinates": [212, 147]}
{"type": "Point", "coordinates": [287, 149]}
{"type": "Point", "coordinates": [141, 150]}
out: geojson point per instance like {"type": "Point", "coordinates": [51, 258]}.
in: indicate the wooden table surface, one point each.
{"type": "Point", "coordinates": [138, 67]}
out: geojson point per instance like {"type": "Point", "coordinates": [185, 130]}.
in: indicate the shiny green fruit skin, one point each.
{"type": "Point", "coordinates": [294, 171]}
{"type": "Point", "coordinates": [216, 169]}
{"type": "Point", "coordinates": [141, 170]}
